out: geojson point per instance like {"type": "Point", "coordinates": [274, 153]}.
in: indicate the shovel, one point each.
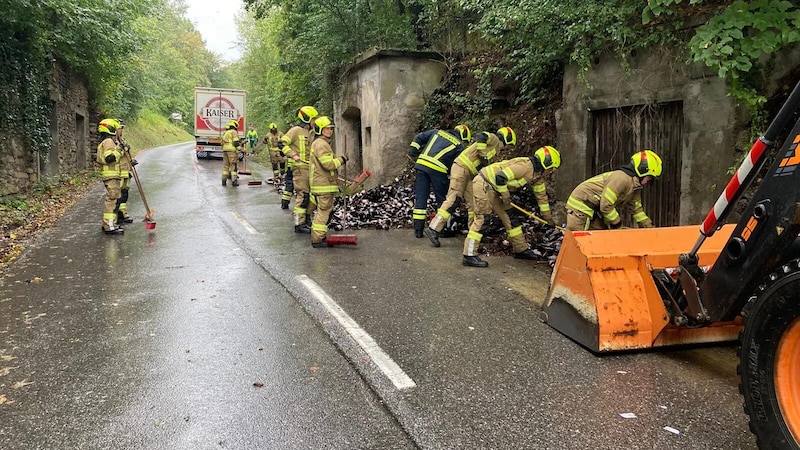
{"type": "Point", "coordinates": [149, 223]}
{"type": "Point", "coordinates": [536, 218]}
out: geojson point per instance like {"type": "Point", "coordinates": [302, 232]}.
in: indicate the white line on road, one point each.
{"type": "Point", "coordinates": [244, 222]}
{"type": "Point", "coordinates": [381, 359]}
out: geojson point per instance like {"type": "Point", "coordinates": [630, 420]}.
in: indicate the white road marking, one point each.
{"type": "Point", "coordinates": [244, 223]}
{"type": "Point", "coordinates": [384, 362]}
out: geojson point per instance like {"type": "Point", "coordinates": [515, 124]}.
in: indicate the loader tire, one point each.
{"type": "Point", "coordinates": [769, 360]}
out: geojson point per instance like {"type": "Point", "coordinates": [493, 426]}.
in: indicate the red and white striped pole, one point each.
{"type": "Point", "coordinates": [747, 170]}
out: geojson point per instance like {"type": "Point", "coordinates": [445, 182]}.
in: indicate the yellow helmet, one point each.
{"type": "Point", "coordinates": [307, 113]}
{"type": "Point", "coordinates": [548, 156]}
{"type": "Point", "coordinates": [273, 126]}
{"type": "Point", "coordinates": [232, 125]}
{"type": "Point", "coordinates": [507, 135]}
{"type": "Point", "coordinates": [464, 132]}
{"type": "Point", "coordinates": [108, 126]}
{"type": "Point", "coordinates": [646, 162]}
{"type": "Point", "coordinates": [322, 122]}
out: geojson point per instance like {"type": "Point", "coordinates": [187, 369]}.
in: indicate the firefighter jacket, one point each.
{"type": "Point", "coordinates": [297, 142]}
{"type": "Point", "coordinates": [605, 194]}
{"type": "Point", "coordinates": [479, 153]}
{"type": "Point", "coordinates": [512, 175]}
{"type": "Point", "coordinates": [272, 139]}
{"type": "Point", "coordinates": [435, 150]}
{"type": "Point", "coordinates": [323, 177]}
{"type": "Point", "coordinates": [108, 170]}
{"type": "Point", "coordinates": [229, 140]}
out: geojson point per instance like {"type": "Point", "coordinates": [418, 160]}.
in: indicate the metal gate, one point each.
{"type": "Point", "coordinates": [618, 133]}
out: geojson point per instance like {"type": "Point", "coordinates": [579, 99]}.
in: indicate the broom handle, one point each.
{"type": "Point", "coordinates": [536, 218]}
{"type": "Point", "coordinates": [139, 186]}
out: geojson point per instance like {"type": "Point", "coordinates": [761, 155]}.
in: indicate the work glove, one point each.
{"type": "Point", "coordinates": [344, 160]}
{"type": "Point", "coordinates": [506, 198]}
{"type": "Point", "coordinates": [110, 158]}
{"type": "Point", "coordinates": [615, 226]}
{"type": "Point", "coordinates": [281, 144]}
{"type": "Point", "coordinates": [134, 163]}
{"type": "Point", "coordinates": [549, 220]}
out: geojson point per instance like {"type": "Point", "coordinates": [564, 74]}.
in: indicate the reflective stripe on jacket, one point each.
{"type": "Point", "coordinates": [105, 148]}
{"type": "Point", "coordinates": [272, 139]}
{"type": "Point", "coordinates": [608, 192]}
{"type": "Point", "coordinates": [479, 154]}
{"type": "Point", "coordinates": [296, 143]}
{"type": "Point", "coordinates": [517, 173]}
{"type": "Point", "coordinates": [323, 176]}
{"type": "Point", "coordinates": [228, 139]}
{"type": "Point", "coordinates": [440, 150]}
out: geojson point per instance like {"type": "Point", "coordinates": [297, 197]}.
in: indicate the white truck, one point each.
{"type": "Point", "coordinates": [213, 109]}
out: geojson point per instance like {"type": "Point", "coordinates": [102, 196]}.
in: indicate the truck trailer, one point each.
{"type": "Point", "coordinates": [213, 109]}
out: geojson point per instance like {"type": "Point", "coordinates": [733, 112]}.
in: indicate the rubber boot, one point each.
{"type": "Point", "coordinates": [304, 229]}
{"type": "Point", "coordinates": [321, 244]}
{"type": "Point", "coordinates": [224, 181]}
{"type": "Point", "coordinates": [284, 204]}
{"type": "Point", "coordinates": [474, 261]}
{"type": "Point", "coordinates": [418, 234]}
{"type": "Point", "coordinates": [433, 235]}
{"type": "Point", "coordinates": [527, 254]}
{"type": "Point", "coordinates": [110, 228]}
{"type": "Point", "coordinates": [235, 182]}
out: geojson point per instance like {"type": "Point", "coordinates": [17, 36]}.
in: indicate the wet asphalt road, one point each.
{"type": "Point", "coordinates": [215, 330]}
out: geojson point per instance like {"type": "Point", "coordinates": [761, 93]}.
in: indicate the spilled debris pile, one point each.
{"type": "Point", "coordinates": [390, 206]}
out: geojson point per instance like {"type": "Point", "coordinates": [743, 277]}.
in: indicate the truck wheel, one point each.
{"type": "Point", "coordinates": [769, 360]}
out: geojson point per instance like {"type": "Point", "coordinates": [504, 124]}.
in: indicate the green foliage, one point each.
{"type": "Point", "coordinates": [310, 41]}
{"type": "Point", "coordinates": [152, 129]}
{"type": "Point", "coordinates": [540, 37]}
{"type": "Point", "coordinates": [734, 39]}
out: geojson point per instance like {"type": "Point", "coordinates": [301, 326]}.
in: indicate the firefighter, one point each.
{"type": "Point", "coordinates": [595, 203]}
{"type": "Point", "coordinates": [324, 179]}
{"type": "Point", "coordinates": [464, 169]}
{"type": "Point", "coordinates": [252, 139]}
{"type": "Point", "coordinates": [434, 152]}
{"type": "Point", "coordinates": [230, 153]}
{"type": "Point", "coordinates": [277, 158]}
{"type": "Point", "coordinates": [296, 144]}
{"type": "Point", "coordinates": [108, 156]}
{"type": "Point", "coordinates": [125, 165]}
{"type": "Point", "coordinates": [492, 189]}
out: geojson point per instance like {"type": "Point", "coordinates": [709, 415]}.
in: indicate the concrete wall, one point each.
{"type": "Point", "coordinates": [70, 152]}
{"type": "Point", "coordinates": [379, 108]}
{"type": "Point", "coordinates": [715, 128]}
{"type": "Point", "coordinates": [710, 121]}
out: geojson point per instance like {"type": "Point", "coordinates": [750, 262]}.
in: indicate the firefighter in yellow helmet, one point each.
{"type": "Point", "coordinates": [595, 203]}
{"type": "Point", "coordinates": [296, 144]}
{"type": "Point", "coordinates": [492, 189]}
{"type": "Point", "coordinates": [108, 156]}
{"type": "Point", "coordinates": [230, 153]}
{"type": "Point", "coordinates": [277, 158]}
{"type": "Point", "coordinates": [464, 169]}
{"type": "Point", "coordinates": [324, 178]}
{"type": "Point", "coordinates": [433, 152]}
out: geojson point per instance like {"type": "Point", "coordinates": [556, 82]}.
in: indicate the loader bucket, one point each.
{"type": "Point", "coordinates": [603, 296]}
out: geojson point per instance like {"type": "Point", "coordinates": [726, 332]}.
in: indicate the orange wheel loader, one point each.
{"type": "Point", "coordinates": [615, 290]}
